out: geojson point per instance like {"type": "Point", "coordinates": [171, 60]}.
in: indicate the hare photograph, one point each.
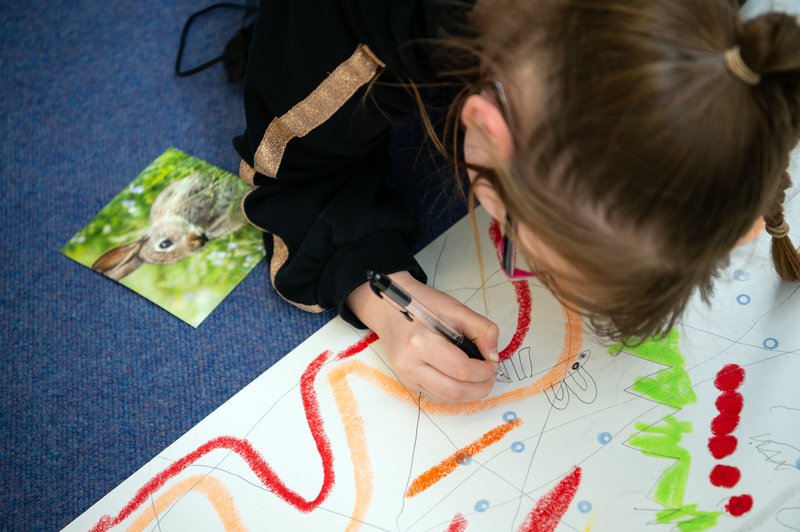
{"type": "Point", "coordinates": [175, 235]}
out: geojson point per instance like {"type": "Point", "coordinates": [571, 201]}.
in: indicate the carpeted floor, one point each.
{"type": "Point", "coordinates": [95, 380]}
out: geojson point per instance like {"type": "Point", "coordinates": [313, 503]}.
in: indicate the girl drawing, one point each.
{"type": "Point", "coordinates": [623, 145]}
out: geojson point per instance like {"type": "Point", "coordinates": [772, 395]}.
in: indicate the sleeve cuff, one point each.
{"type": "Point", "coordinates": [385, 252]}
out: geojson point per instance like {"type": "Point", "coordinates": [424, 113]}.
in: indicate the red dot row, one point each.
{"type": "Point", "coordinates": [723, 443]}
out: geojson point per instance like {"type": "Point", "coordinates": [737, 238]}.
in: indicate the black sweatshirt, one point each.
{"type": "Point", "coordinates": [327, 213]}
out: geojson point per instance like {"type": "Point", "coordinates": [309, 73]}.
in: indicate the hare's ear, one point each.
{"type": "Point", "coordinates": [120, 261]}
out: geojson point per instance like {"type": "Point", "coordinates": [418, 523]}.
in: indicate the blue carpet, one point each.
{"type": "Point", "coordinates": [95, 380]}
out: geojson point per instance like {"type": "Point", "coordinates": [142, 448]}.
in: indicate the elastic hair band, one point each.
{"type": "Point", "coordinates": [739, 69]}
{"type": "Point", "coordinates": [778, 231]}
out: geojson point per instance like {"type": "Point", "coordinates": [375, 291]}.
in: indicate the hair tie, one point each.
{"type": "Point", "coordinates": [778, 231]}
{"type": "Point", "coordinates": [739, 69]}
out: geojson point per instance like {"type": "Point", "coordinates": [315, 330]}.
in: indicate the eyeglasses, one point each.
{"type": "Point", "coordinates": [507, 254]}
{"type": "Point", "coordinates": [507, 246]}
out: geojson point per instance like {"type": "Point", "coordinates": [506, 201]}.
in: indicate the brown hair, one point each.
{"type": "Point", "coordinates": [639, 155]}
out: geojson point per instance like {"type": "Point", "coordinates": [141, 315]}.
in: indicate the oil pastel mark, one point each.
{"type": "Point", "coordinates": [604, 438]}
{"type": "Point", "coordinates": [672, 387]}
{"type": "Point", "coordinates": [482, 505]}
{"type": "Point", "coordinates": [210, 487]}
{"type": "Point", "coordinates": [723, 443]}
{"type": "Point", "coordinates": [449, 464]}
{"type": "Point", "coordinates": [458, 524]}
{"type": "Point", "coordinates": [549, 510]}
{"type": "Point", "coordinates": [353, 424]}
{"type": "Point", "coordinates": [252, 457]}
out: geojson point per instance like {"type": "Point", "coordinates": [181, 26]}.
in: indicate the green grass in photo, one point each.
{"type": "Point", "coordinates": [193, 286]}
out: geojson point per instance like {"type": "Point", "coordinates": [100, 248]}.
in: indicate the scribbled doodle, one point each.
{"type": "Point", "coordinates": [520, 365]}
{"type": "Point", "coordinates": [781, 455]}
{"type": "Point", "coordinates": [577, 382]}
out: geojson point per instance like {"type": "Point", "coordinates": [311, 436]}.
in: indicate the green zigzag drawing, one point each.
{"type": "Point", "coordinates": [672, 387]}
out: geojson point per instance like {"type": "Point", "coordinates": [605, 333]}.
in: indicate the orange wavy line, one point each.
{"type": "Point", "coordinates": [354, 425]}
{"type": "Point", "coordinates": [449, 464]}
{"type": "Point", "coordinates": [214, 490]}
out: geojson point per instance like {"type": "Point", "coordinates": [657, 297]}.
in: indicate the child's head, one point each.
{"type": "Point", "coordinates": [636, 144]}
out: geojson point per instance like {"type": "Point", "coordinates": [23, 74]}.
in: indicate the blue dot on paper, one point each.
{"type": "Point", "coordinates": [510, 416]}
{"type": "Point", "coordinates": [604, 437]}
{"type": "Point", "coordinates": [482, 505]}
{"type": "Point", "coordinates": [517, 446]}
{"type": "Point", "coordinates": [743, 299]}
{"type": "Point", "coordinates": [584, 507]}
{"type": "Point", "coordinates": [464, 459]}
{"type": "Point", "coordinates": [797, 463]}
{"type": "Point", "coordinates": [770, 343]}
{"type": "Point", "coordinates": [741, 275]}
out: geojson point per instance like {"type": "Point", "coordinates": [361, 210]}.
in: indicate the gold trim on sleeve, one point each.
{"type": "Point", "coordinates": [247, 173]}
{"type": "Point", "coordinates": [280, 254]}
{"type": "Point", "coordinates": [316, 108]}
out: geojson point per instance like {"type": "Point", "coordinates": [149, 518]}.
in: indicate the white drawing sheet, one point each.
{"type": "Point", "coordinates": [698, 431]}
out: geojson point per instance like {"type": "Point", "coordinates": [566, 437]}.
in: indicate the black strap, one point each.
{"type": "Point", "coordinates": [248, 10]}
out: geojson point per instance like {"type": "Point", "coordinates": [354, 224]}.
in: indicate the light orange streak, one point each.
{"type": "Point", "coordinates": [354, 432]}
{"type": "Point", "coordinates": [214, 490]}
{"type": "Point", "coordinates": [354, 424]}
{"type": "Point", "coordinates": [449, 464]}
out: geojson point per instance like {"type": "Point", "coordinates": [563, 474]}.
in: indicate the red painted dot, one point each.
{"type": "Point", "coordinates": [724, 423]}
{"type": "Point", "coordinates": [738, 505]}
{"type": "Point", "coordinates": [730, 377]}
{"type": "Point", "coordinates": [725, 476]}
{"type": "Point", "coordinates": [722, 446]}
{"type": "Point", "coordinates": [730, 401]}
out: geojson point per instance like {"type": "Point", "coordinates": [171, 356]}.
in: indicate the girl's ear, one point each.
{"type": "Point", "coordinates": [487, 143]}
{"type": "Point", "coordinates": [487, 196]}
{"type": "Point", "coordinates": [482, 116]}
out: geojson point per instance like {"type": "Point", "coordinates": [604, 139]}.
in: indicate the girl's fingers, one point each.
{"type": "Point", "coordinates": [441, 388]}
{"type": "Point", "coordinates": [481, 330]}
{"type": "Point", "coordinates": [449, 360]}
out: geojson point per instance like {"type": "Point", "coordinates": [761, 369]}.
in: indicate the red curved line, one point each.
{"type": "Point", "coordinates": [256, 462]}
{"type": "Point", "coordinates": [252, 457]}
{"type": "Point", "coordinates": [358, 346]}
{"type": "Point", "coordinates": [523, 294]}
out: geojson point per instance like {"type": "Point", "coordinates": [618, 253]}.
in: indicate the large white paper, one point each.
{"type": "Point", "coordinates": [577, 442]}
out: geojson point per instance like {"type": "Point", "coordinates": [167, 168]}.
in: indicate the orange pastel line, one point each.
{"type": "Point", "coordinates": [354, 433]}
{"type": "Point", "coordinates": [449, 464]}
{"type": "Point", "coordinates": [354, 424]}
{"type": "Point", "coordinates": [213, 489]}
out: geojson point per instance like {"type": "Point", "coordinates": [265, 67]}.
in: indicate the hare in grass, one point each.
{"type": "Point", "coordinates": [184, 217]}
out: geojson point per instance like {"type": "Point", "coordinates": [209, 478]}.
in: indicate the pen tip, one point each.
{"type": "Point", "coordinates": [502, 377]}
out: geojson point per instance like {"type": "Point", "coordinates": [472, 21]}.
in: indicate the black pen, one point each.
{"type": "Point", "coordinates": [411, 309]}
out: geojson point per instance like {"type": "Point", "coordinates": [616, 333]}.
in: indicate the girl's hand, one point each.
{"type": "Point", "coordinates": [423, 360]}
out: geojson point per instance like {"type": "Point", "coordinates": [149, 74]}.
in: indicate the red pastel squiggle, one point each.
{"type": "Point", "coordinates": [547, 513]}
{"type": "Point", "coordinates": [523, 294]}
{"type": "Point", "coordinates": [252, 457]}
{"type": "Point", "coordinates": [358, 346]}
{"type": "Point", "coordinates": [459, 524]}
{"type": "Point", "coordinates": [259, 465]}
